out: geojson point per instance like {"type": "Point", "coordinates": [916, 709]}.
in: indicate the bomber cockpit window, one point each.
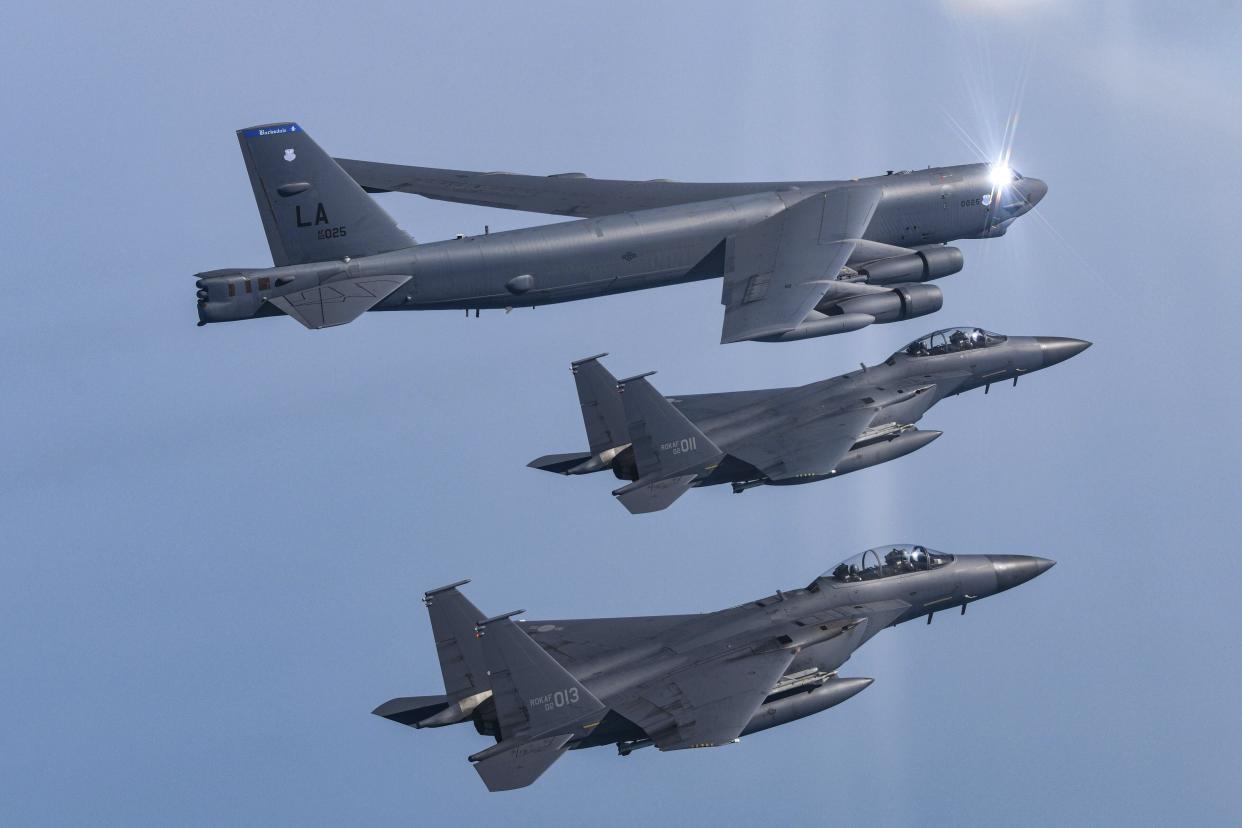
{"type": "Point", "coordinates": [886, 561]}
{"type": "Point", "coordinates": [951, 340]}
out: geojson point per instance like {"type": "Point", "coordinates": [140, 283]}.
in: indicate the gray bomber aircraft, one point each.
{"type": "Point", "coordinates": [799, 259]}
{"type": "Point", "coordinates": [785, 436]}
{"type": "Point", "coordinates": [679, 681]}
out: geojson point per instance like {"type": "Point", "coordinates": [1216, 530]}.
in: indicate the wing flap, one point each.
{"type": "Point", "coordinates": [783, 266]}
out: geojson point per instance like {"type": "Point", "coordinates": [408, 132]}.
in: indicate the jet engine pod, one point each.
{"type": "Point", "coordinates": [902, 302]}
{"type": "Point", "coordinates": [920, 266]}
{"type": "Point", "coordinates": [805, 702]}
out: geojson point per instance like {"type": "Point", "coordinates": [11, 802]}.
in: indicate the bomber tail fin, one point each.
{"type": "Point", "coordinates": [541, 708]}
{"type": "Point", "coordinates": [312, 211]}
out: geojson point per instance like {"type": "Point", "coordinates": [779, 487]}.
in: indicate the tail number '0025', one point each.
{"type": "Point", "coordinates": [557, 698]}
{"type": "Point", "coordinates": [683, 446]}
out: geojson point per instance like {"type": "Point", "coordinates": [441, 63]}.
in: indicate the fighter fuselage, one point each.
{"type": "Point", "coordinates": [823, 622]}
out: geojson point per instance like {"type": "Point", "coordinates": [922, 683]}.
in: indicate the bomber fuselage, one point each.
{"type": "Point", "coordinates": [630, 251]}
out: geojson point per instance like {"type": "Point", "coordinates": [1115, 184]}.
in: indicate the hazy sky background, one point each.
{"type": "Point", "coordinates": [215, 539]}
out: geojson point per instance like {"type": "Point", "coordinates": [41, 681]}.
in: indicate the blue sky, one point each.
{"type": "Point", "coordinates": [215, 540]}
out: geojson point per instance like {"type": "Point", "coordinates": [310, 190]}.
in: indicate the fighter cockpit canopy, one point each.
{"type": "Point", "coordinates": [886, 561]}
{"type": "Point", "coordinates": [951, 340]}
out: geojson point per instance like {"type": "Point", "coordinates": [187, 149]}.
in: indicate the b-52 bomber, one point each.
{"type": "Point", "coordinates": [785, 436]}
{"type": "Point", "coordinates": [799, 259]}
{"type": "Point", "coordinates": [679, 681]}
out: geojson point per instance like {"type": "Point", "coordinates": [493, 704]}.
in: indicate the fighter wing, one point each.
{"type": "Point", "coordinates": [574, 641]}
{"type": "Point", "coordinates": [805, 448]}
{"type": "Point", "coordinates": [567, 194]}
{"type": "Point", "coordinates": [705, 704]}
{"type": "Point", "coordinates": [784, 266]}
{"type": "Point", "coordinates": [699, 407]}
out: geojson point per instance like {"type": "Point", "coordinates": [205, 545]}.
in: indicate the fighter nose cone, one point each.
{"type": "Point", "coordinates": [1059, 348]}
{"type": "Point", "coordinates": [1033, 190]}
{"type": "Point", "coordinates": [1012, 570]}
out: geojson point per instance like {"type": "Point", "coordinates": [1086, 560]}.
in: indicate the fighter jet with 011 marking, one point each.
{"type": "Point", "coordinates": [785, 436]}
{"type": "Point", "coordinates": [799, 259]}
{"type": "Point", "coordinates": [541, 688]}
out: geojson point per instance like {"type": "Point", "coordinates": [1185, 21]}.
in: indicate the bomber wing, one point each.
{"type": "Point", "coordinates": [566, 194]}
{"type": "Point", "coordinates": [784, 266]}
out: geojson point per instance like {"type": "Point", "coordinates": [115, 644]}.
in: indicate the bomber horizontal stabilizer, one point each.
{"type": "Point", "coordinates": [337, 302]}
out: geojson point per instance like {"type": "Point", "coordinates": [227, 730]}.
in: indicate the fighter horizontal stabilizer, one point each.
{"type": "Point", "coordinates": [560, 463]}
{"type": "Point", "coordinates": [338, 302]}
{"type": "Point", "coordinates": [643, 496]}
{"type": "Point", "coordinates": [540, 706]}
{"type": "Point", "coordinates": [520, 764]}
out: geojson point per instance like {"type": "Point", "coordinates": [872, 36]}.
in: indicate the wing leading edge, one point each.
{"type": "Point", "coordinates": [567, 194]}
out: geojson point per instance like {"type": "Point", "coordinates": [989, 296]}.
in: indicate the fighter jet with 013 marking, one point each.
{"type": "Point", "coordinates": [664, 446]}
{"type": "Point", "coordinates": [799, 259]}
{"type": "Point", "coordinates": [541, 688]}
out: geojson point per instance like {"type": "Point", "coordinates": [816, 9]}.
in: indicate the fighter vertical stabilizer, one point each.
{"type": "Point", "coordinates": [669, 449]}
{"type": "Point", "coordinates": [541, 708]}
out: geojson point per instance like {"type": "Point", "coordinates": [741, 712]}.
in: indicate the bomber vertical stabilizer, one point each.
{"type": "Point", "coordinates": [312, 211]}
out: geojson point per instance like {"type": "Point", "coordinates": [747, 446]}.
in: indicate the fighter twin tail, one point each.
{"type": "Point", "coordinates": [797, 260]}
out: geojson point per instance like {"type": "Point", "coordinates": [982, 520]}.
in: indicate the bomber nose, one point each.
{"type": "Point", "coordinates": [1012, 570]}
{"type": "Point", "coordinates": [1034, 190]}
{"type": "Point", "coordinates": [1059, 348]}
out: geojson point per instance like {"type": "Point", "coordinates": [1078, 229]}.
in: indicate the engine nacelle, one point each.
{"type": "Point", "coordinates": [902, 302]}
{"type": "Point", "coordinates": [920, 266]}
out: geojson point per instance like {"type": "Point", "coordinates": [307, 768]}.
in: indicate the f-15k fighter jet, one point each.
{"type": "Point", "coordinates": [799, 258]}
{"type": "Point", "coordinates": [785, 436]}
{"type": "Point", "coordinates": [679, 681]}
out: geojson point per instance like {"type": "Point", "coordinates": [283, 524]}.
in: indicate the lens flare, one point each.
{"type": "Point", "coordinates": [1001, 175]}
